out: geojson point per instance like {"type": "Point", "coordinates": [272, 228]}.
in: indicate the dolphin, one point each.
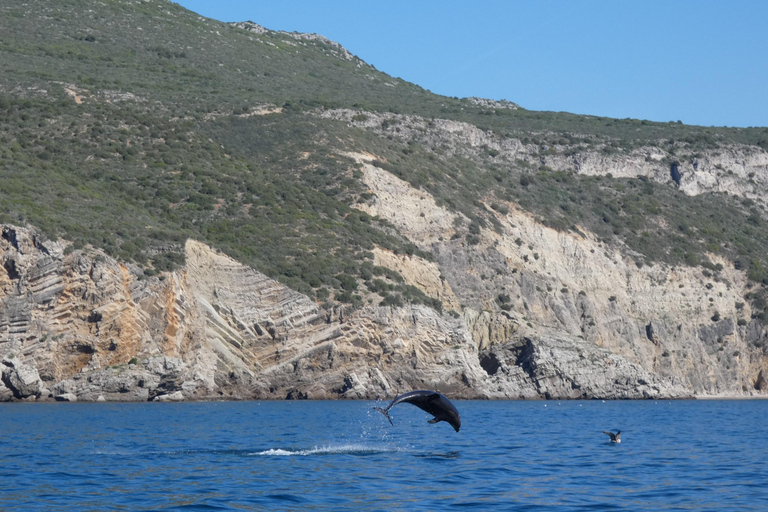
{"type": "Point", "coordinates": [615, 438]}
{"type": "Point", "coordinates": [430, 401]}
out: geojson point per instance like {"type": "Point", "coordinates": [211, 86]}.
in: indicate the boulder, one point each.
{"type": "Point", "coordinates": [23, 380]}
{"type": "Point", "coordinates": [176, 396]}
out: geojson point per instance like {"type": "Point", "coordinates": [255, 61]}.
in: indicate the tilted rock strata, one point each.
{"type": "Point", "coordinates": [526, 278]}
{"type": "Point", "coordinates": [80, 326]}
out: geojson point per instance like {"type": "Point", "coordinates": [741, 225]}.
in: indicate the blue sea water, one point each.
{"type": "Point", "coordinates": [341, 455]}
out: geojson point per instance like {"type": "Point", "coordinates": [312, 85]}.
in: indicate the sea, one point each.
{"type": "Point", "coordinates": [342, 455]}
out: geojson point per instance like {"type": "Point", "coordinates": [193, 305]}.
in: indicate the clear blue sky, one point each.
{"type": "Point", "coordinates": [703, 62]}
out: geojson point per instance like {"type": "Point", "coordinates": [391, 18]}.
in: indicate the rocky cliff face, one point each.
{"type": "Point", "coordinates": [528, 311]}
{"type": "Point", "coordinates": [678, 323]}
{"type": "Point", "coordinates": [580, 322]}
{"type": "Point", "coordinates": [736, 169]}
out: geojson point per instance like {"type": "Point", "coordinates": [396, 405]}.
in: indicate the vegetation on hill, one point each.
{"type": "Point", "coordinates": [133, 125]}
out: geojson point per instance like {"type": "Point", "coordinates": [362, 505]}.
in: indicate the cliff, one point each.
{"type": "Point", "coordinates": [738, 169]}
{"type": "Point", "coordinates": [200, 210]}
{"type": "Point", "coordinates": [78, 325]}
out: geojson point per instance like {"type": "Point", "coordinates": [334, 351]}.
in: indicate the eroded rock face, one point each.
{"type": "Point", "coordinates": [21, 379]}
{"type": "Point", "coordinates": [736, 168]}
{"type": "Point", "coordinates": [553, 366]}
{"type": "Point", "coordinates": [82, 326]}
{"type": "Point", "coordinates": [523, 278]}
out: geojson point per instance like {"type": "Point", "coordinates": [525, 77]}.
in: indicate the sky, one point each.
{"type": "Point", "coordinates": [703, 62]}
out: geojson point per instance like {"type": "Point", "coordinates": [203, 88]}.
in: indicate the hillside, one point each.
{"type": "Point", "coordinates": [131, 127]}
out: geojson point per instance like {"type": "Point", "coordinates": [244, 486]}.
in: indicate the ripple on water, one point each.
{"type": "Point", "coordinates": [336, 455]}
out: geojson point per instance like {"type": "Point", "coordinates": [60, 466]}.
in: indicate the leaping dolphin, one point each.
{"type": "Point", "coordinates": [430, 401]}
{"type": "Point", "coordinates": [615, 438]}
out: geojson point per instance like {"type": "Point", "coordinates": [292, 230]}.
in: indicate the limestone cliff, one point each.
{"type": "Point", "coordinates": [78, 325]}
{"type": "Point", "coordinates": [737, 169]}
{"type": "Point", "coordinates": [263, 143]}
{"type": "Point", "coordinates": [679, 323]}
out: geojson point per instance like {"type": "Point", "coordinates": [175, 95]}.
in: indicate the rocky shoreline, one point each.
{"type": "Point", "coordinates": [78, 325]}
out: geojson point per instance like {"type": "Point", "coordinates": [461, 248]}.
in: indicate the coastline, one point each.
{"type": "Point", "coordinates": [723, 397]}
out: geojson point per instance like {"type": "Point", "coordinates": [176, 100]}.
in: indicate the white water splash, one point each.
{"type": "Point", "coordinates": [346, 449]}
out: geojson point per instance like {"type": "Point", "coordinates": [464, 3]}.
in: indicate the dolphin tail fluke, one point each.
{"type": "Point", "coordinates": [385, 412]}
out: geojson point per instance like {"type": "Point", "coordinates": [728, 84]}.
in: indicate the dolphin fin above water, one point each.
{"type": "Point", "coordinates": [430, 401]}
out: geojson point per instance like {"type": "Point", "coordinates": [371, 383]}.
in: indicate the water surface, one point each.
{"type": "Point", "coordinates": [341, 455]}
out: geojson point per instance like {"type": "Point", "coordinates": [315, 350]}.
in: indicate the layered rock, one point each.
{"type": "Point", "coordinates": [553, 366]}
{"type": "Point", "coordinates": [78, 325]}
{"type": "Point", "coordinates": [523, 278]}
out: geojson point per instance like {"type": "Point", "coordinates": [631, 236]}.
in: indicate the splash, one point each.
{"type": "Point", "coordinates": [346, 449]}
